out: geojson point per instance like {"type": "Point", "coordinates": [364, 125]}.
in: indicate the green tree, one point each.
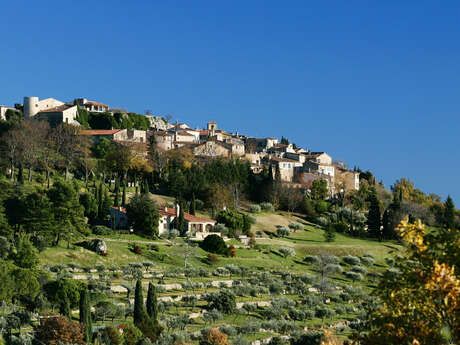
{"type": "Point", "coordinates": [319, 189]}
{"type": "Point", "coordinates": [116, 201]}
{"type": "Point", "coordinates": [85, 315]}
{"type": "Point", "coordinates": [181, 226]}
{"type": "Point", "coordinates": [68, 212]}
{"type": "Point", "coordinates": [123, 196]}
{"type": "Point", "coordinates": [373, 217]}
{"type": "Point", "coordinates": [139, 314]}
{"type": "Point", "coordinates": [449, 213]}
{"type": "Point", "coordinates": [152, 302]}
{"type": "Point", "coordinates": [143, 213]}
{"type": "Point", "coordinates": [26, 254]}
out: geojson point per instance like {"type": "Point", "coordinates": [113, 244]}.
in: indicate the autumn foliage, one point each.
{"type": "Point", "coordinates": [59, 330]}
{"type": "Point", "coordinates": [420, 304]}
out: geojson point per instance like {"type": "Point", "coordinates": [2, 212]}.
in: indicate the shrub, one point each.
{"type": "Point", "coordinates": [322, 207]}
{"type": "Point", "coordinates": [213, 337]}
{"type": "Point", "coordinates": [214, 244]}
{"type": "Point", "coordinates": [137, 249]}
{"type": "Point", "coordinates": [351, 260]}
{"type": "Point", "coordinates": [212, 258]}
{"type": "Point", "coordinates": [368, 261]}
{"type": "Point", "coordinates": [267, 207]}
{"type": "Point", "coordinates": [323, 312]}
{"type": "Point", "coordinates": [359, 269]}
{"type": "Point", "coordinates": [282, 231]}
{"type": "Point", "coordinates": [369, 255]}
{"type": "Point", "coordinates": [329, 233]}
{"type": "Point", "coordinates": [102, 230]}
{"type": "Point", "coordinates": [228, 329]}
{"type": "Point", "coordinates": [311, 259]}
{"type": "Point", "coordinates": [287, 251]}
{"type": "Point", "coordinates": [221, 228]}
{"type": "Point", "coordinates": [353, 276]}
{"type": "Point", "coordinates": [390, 261]}
{"type": "Point", "coordinates": [59, 329]}
{"type": "Point", "coordinates": [232, 251]}
{"type": "Point", "coordinates": [308, 338]}
{"type": "Point", "coordinates": [173, 233]}
{"type": "Point", "coordinates": [255, 209]}
{"type": "Point", "coordinates": [294, 226]}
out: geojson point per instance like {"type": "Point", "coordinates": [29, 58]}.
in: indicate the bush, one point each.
{"type": "Point", "coordinates": [329, 233]}
{"type": "Point", "coordinates": [286, 251]}
{"type": "Point", "coordinates": [308, 338]}
{"type": "Point", "coordinates": [267, 207]}
{"type": "Point", "coordinates": [223, 301]}
{"type": "Point", "coordinates": [353, 276]}
{"type": "Point", "coordinates": [369, 255]}
{"type": "Point", "coordinates": [322, 207]}
{"type": "Point", "coordinates": [324, 312]}
{"type": "Point", "coordinates": [212, 258]}
{"type": "Point", "coordinates": [255, 209]}
{"type": "Point", "coordinates": [282, 231]}
{"type": "Point", "coordinates": [228, 329]}
{"type": "Point", "coordinates": [311, 259]}
{"type": "Point", "coordinates": [221, 228]}
{"type": "Point", "coordinates": [137, 249]}
{"type": "Point", "coordinates": [359, 269]}
{"type": "Point", "coordinates": [214, 244]}
{"type": "Point", "coordinates": [294, 226]}
{"type": "Point", "coordinates": [368, 261]}
{"type": "Point", "coordinates": [102, 230]}
{"type": "Point", "coordinates": [351, 260]}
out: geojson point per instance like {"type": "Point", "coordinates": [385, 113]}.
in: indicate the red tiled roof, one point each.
{"type": "Point", "coordinates": [168, 211]}
{"type": "Point", "coordinates": [57, 109]}
{"type": "Point", "coordinates": [99, 131]}
{"type": "Point", "coordinates": [96, 104]}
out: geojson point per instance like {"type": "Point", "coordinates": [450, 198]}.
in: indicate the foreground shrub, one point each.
{"type": "Point", "coordinates": [282, 231]}
{"type": "Point", "coordinates": [213, 337]}
{"type": "Point", "coordinates": [102, 230]}
{"type": "Point", "coordinates": [287, 251]}
{"type": "Point", "coordinates": [311, 259]}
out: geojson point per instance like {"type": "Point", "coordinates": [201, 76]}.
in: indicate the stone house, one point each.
{"type": "Point", "coordinates": [349, 179]}
{"type": "Point", "coordinates": [286, 167]}
{"type": "Point", "coordinates": [163, 139]}
{"type": "Point", "coordinates": [198, 227]}
{"type": "Point", "coordinates": [212, 149]}
{"type": "Point", "coordinates": [320, 157]}
{"type": "Point", "coordinates": [182, 136]}
{"type": "Point", "coordinates": [3, 110]}
{"type": "Point", "coordinates": [92, 106]}
{"type": "Point", "coordinates": [60, 114]}
{"type": "Point", "coordinates": [33, 105]}
{"type": "Point", "coordinates": [320, 168]}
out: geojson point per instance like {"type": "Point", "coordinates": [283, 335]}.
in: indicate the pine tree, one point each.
{"type": "Point", "coordinates": [139, 314]}
{"type": "Point", "coordinates": [373, 218]}
{"type": "Point", "coordinates": [116, 200]}
{"type": "Point", "coordinates": [449, 213]}
{"type": "Point", "coordinates": [123, 196]}
{"type": "Point", "coordinates": [85, 315]}
{"type": "Point", "coordinates": [152, 302]}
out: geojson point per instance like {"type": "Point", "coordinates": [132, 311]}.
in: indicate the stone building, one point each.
{"type": "Point", "coordinates": [60, 114]}
{"type": "Point", "coordinates": [198, 227]}
{"type": "Point", "coordinates": [92, 106]}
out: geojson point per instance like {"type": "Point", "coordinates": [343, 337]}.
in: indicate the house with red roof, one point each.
{"type": "Point", "coordinates": [198, 227]}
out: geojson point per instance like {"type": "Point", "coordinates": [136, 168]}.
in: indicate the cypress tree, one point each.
{"type": "Point", "coordinates": [139, 314]}
{"type": "Point", "coordinates": [181, 221]}
{"type": "Point", "coordinates": [449, 213]}
{"type": "Point", "coordinates": [116, 200]}
{"type": "Point", "coordinates": [123, 196]}
{"type": "Point", "coordinates": [192, 205]}
{"type": "Point", "coordinates": [152, 302]}
{"type": "Point", "coordinates": [100, 201]}
{"type": "Point", "coordinates": [387, 230]}
{"type": "Point", "coordinates": [373, 218]}
{"type": "Point", "coordinates": [85, 315]}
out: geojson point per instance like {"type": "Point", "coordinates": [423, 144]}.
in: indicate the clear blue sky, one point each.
{"type": "Point", "coordinates": [374, 83]}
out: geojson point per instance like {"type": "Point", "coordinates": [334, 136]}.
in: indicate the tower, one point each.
{"type": "Point", "coordinates": [30, 106]}
{"type": "Point", "coordinates": [212, 128]}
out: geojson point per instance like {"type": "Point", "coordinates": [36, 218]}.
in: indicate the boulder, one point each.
{"type": "Point", "coordinates": [99, 246]}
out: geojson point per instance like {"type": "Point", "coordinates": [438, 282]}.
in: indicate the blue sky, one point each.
{"type": "Point", "coordinates": [373, 83]}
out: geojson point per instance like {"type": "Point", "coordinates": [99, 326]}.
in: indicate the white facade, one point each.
{"type": "Point", "coordinates": [3, 109]}
{"type": "Point", "coordinates": [33, 106]}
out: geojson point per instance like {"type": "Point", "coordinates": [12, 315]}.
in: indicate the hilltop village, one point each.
{"type": "Point", "coordinates": [297, 166]}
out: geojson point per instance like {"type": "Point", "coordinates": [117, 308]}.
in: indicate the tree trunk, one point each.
{"type": "Point", "coordinates": [12, 170]}
{"type": "Point", "coordinates": [29, 175]}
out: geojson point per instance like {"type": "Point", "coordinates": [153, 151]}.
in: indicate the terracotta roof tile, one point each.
{"type": "Point", "coordinates": [57, 109]}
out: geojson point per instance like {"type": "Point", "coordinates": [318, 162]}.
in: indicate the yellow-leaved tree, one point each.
{"type": "Point", "coordinates": [419, 298]}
